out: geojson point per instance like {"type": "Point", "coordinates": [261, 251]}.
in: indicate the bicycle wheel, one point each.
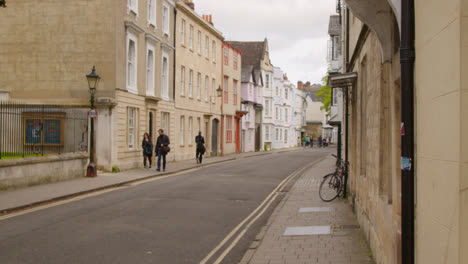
{"type": "Point", "coordinates": [330, 187]}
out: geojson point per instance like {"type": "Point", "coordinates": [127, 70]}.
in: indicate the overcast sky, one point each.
{"type": "Point", "coordinates": [297, 30]}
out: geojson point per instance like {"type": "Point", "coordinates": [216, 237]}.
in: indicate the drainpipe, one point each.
{"type": "Point", "coordinates": [347, 41]}
{"type": "Point", "coordinates": [174, 55]}
{"type": "Point", "coordinates": [407, 56]}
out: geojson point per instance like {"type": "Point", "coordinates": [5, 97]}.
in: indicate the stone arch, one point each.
{"type": "Point", "coordinates": [378, 15]}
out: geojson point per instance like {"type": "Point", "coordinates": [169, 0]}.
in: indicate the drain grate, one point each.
{"type": "Point", "coordinates": [350, 227]}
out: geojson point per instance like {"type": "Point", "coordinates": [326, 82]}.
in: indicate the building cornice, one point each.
{"type": "Point", "coordinates": [152, 37]}
{"type": "Point", "coordinates": [167, 45]}
{"type": "Point", "coordinates": [133, 26]}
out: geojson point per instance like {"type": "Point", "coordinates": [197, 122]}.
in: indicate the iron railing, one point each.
{"type": "Point", "coordinates": [37, 130]}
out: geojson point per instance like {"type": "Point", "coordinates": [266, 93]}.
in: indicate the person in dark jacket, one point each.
{"type": "Point", "coordinates": [200, 141]}
{"type": "Point", "coordinates": [162, 147]}
{"type": "Point", "coordinates": [147, 147]}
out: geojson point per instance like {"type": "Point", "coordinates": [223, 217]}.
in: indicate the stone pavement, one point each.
{"type": "Point", "coordinates": [35, 195]}
{"type": "Point", "coordinates": [344, 242]}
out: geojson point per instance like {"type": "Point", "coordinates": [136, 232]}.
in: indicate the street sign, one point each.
{"type": "Point", "coordinates": [92, 114]}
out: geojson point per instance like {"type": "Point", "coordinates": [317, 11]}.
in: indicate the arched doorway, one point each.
{"type": "Point", "coordinates": [214, 137]}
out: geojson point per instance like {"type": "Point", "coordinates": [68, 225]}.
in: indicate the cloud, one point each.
{"type": "Point", "coordinates": [297, 30]}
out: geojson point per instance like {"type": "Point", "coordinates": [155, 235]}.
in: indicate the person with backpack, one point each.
{"type": "Point", "coordinates": [200, 141]}
{"type": "Point", "coordinates": [147, 147]}
{"type": "Point", "coordinates": [162, 148]}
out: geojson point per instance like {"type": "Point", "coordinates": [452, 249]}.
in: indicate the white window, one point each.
{"type": "Point", "coordinates": [250, 135]}
{"type": "Point", "coordinates": [165, 19]}
{"type": "Point", "coordinates": [280, 134]}
{"type": "Point", "coordinates": [131, 127]}
{"type": "Point", "coordinates": [151, 13]}
{"type": "Point", "coordinates": [165, 122]}
{"type": "Point", "coordinates": [286, 93]}
{"type": "Point", "coordinates": [182, 121]}
{"type": "Point", "coordinates": [182, 32]}
{"type": "Point", "coordinates": [213, 51]}
{"type": "Point", "coordinates": [165, 76]}
{"type": "Point", "coordinates": [131, 63]}
{"type": "Point", "coordinates": [198, 86]}
{"type": "Point", "coordinates": [207, 81]}
{"type": "Point", "coordinates": [281, 114]}
{"type": "Point", "coordinates": [277, 134]}
{"type": "Point", "coordinates": [286, 115]}
{"type": "Point", "coordinates": [182, 80]}
{"type": "Point", "coordinates": [190, 120]}
{"type": "Point", "coordinates": [207, 47]}
{"type": "Point", "coordinates": [277, 91]}
{"type": "Point", "coordinates": [250, 89]}
{"type": "Point", "coordinates": [267, 109]}
{"type": "Point", "coordinates": [267, 133]}
{"type": "Point", "coordinates": [150, 71]}
{"type": "Point", "coordinates": [191, 37]}
{"type": "Point", "coordinates": [190, 84]}
{"type": "Point", "coordinates": [132, 5]}
{"type": "Point", "coordinates": [277, 113]}
{"type": "Point", "coordinates": [286, 136]}
{"type": "Point", "coordinates": [213, 84]}
{"type": "Point", "coordinates": [198, 126]}
{"type": "Point", "coordinates": [199, 42]}
{"type": "Point", "coordinates": [267, 83]}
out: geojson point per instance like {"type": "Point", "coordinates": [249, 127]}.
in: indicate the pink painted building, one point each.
{"type": "Point", "coordinates": [251, 95]}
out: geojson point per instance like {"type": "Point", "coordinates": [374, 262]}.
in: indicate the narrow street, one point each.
{"type": "Point", "coordinates": [179, 219]}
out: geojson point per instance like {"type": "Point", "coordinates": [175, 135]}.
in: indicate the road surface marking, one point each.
{"type": "Point", "coordinates": [316, 209]}
{"type": "Point", "coordinates": [91, 194]}
{"type": "Point", "coordinates": [234, 231]}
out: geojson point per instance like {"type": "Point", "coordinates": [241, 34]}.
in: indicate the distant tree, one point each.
{"type": "Point", "coordinates": [2, 3]}
{"type": "Point", "coordinates": [324, 95]}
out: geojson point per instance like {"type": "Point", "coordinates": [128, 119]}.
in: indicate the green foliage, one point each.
{"type": "Point", "coordinates": [324, 95]}
{"type": "Point", "coordinates": [115, 169]}
{"type": "Point", "coordinates": [2, 3]}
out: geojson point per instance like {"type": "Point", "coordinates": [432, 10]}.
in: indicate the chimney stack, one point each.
{"type": "Point", "coordinates": [211, 20]}
{"type": "Point", "coordinates": [300, 86]}
{"type": "Point", "coordinates": [190, 4]}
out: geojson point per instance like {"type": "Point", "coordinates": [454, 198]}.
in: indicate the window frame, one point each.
{"type": "Point", "coordinates": [228, 129]}
{"type": "Point", "coordinates": [190, 132]}
{"type": "Point", "coordinates": [132, 7]}
{"type": "Point", "coordinates": [182, 32]}
{"type": "Point", "coordinates": [213, 51]}
{"type": "Point", "coordinates": [234, 91]}
{"type": "Point", "coordinates": [151, 20]}
{"type": "Point", "coordinates": [199, 86]}
{"type": "Point", "coordinates": [132, 87]}
{"type": "Point", "coordinates": [165, 85]}
{"type": "Point", "coordinates": [226, 55]}
{"type": "Point", "coordinates": [226, 89]}
{"type": "Point", "coordinates": [182, 80]}
{"type": "Point", "coordinates": [165, 23]}
{"type": "Point", "coordinates": [150, 90]}
{"type": "Point", "coordinates": [207, 81]}
{"type": "Point", "coordinates": [182, 129]}
{"type": "Point", "coordinates": [199, 35]}
{"type": "Point", "coordinates": [191, 37]}
{"type": "Point", "coordinates": [131, 136]}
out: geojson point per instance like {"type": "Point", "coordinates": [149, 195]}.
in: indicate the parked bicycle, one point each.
{"type": "Point", "coordinates": [333, 183]}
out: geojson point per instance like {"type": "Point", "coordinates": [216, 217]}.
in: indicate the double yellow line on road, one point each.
{"type": "Point", "coordinates": [258, 212]}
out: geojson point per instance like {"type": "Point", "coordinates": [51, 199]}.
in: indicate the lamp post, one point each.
{"type": "Point", "coordinates": [93, 80]}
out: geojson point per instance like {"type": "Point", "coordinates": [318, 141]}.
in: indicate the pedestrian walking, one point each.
{"type": "Point", "coordinates": [147, 147]}
{"type": "Point", "coordinates": [303, 142]}
{"type": "Point", "coordinates": [200, 141]}
{"type": "Point", "coordinates": [307, 140]}
{"type": "Point", "coordinates": [162, 148]}
{"type": "Point", "coordinates": [320, 141]}
{"type": "Point", "coordinates": [312, 142]}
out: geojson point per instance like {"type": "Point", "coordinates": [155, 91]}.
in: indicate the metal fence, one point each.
{"type": "Point", "coordinates": [37, 130]}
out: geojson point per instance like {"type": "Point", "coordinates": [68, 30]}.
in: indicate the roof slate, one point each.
{"type": "Point", "coordinates": [252, 52]}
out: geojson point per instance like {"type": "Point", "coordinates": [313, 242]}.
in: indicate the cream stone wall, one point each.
{"type": "Point", "coordinates": [441, 103]}
{"type": "Point", "coordinates": [188, 106]}
{"type": "Point", "coordinates": [374, 141]}
{"type": "Point", "coordinates": [47, 48]}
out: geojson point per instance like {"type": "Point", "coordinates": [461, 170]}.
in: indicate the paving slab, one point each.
{"type": "Point", "coordinates": [304, 229]}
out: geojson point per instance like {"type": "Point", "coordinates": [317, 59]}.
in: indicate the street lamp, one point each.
{"type": "Point", "coordinates": [93, 80]}
{"type": "Point", "coordinates": [219, 91]}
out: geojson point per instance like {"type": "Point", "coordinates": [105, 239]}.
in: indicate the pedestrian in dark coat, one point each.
{"type": "Point", "coordinates": [200, 141]}
{"type": "Point", "coordinates": [147, 147]}
{"type": "Point", "coordinates": [162, 148]}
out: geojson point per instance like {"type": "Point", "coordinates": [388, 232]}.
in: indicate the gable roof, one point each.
{"type": "Point", "coordinates": [252, 52]}
{"type": "Point", "coordinates": [246, 73]}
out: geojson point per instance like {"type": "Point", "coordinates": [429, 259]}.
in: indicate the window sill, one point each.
{"type": "Point", "coordinates": [183, 45]}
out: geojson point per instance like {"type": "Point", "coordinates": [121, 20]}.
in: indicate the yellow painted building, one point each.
{"type": "Point", "coordinates": [198, 76]}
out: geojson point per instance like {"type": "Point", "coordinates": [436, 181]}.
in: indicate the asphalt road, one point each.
{"type": "Point", "coordinates": [178, 219]}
